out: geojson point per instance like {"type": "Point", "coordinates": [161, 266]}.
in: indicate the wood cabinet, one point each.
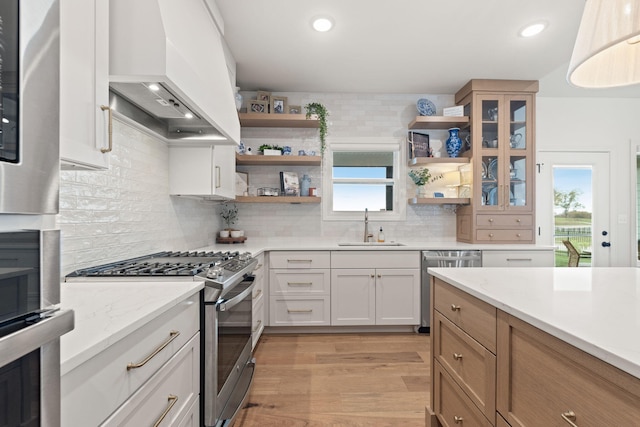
{"type": "Point", "coordinates": [203, 171]}
{"type": "Point", "coordinates": [257, 298]}
{"type": "Point", "coordinates": [84, 84]}
{"type": "Point", "coordinates": [502, 129]}
{"type": "Point", "coordinates": [375, 288]}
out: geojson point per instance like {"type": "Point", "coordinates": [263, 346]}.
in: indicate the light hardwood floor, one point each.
{"type": "Point", "coordinates": [339, 380]}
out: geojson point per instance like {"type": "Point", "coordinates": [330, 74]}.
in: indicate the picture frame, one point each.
{"type": "Point", "coordinates": [242, 183]}
{"type": "Point", "coordinates": [278, 104]}
{"type": "Point", "coordinates": [257, 107]}
{"type": "Point", "coordinates": [263, 96]}
{"type": "Point", "coordinates": [294, 109]}
{"type": "Point", "coordinates": [289, 184]}
{"type": "Point", "coordinates": [418, 145]}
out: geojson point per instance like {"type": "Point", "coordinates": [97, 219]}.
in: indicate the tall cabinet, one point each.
{"type": "Point", "coordinates": [502, 128]}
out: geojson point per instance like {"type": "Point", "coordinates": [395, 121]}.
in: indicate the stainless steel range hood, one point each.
{"type": "Point", "coordinates": [168, 70]}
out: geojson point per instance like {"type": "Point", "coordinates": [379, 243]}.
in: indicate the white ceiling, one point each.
{"type": "Point", "coordinates": [402, 46]}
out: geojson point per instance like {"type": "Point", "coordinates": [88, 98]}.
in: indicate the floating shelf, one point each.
{"type": "Point", "coordinates": [417, 161]}
{"type": "Point", "coordinates": [439, 201]}
{"type": "Point", "coordinates": [277, 199]}
{"type": "Point", "coordinates": [439, 122]}
{"type": "Point", "coordinates": [260, 160]}
{"type": "Point", "coordinates": [264, 120]}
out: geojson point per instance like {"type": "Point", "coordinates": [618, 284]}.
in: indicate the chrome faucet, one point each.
{"type": "Point", "coordinates": [367, 235]}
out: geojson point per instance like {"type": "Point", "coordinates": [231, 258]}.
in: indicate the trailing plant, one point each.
{"type": "Point", "coordinates": [422, 176]}
{"type": "Point", "coordinates": [229, 214]}
{"type": "Point", "coordinates": [322, 113]}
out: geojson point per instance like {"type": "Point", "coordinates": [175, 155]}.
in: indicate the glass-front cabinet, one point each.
{"type": "Point", "coordinates": [502, 154]}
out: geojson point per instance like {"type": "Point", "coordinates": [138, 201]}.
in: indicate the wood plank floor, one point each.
{"type": "Point", "coordinates": [339, 380]}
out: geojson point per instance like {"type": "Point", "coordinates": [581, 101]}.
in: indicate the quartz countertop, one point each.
{"type": "Point", "coordinates": [105, 312]}
{"type": "Point", "coordinates": [594, 309]}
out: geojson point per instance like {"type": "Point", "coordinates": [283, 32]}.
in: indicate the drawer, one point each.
{"type": "Point", "coordinates": [375, 259]}
{"type": "Point", "coordinates": [173, 389]}
{"type": "Point", "coordinates": [518, 258]}
{"type": "Point", "coordinates": [504, 221]}
{"type": "Point", "coordinates": [260, 278]}
{"type": "Point", "coordinates": [299, 259]}
{"type": "Point", "coordinates": [475, 317]}
{"type": "Point", "coordinates": [257, 320]}
{"type": "Point", "coordinates": [451, 405]}
{"type": "Point", "coordinates": [84, 402]}
{"type": "Point", "coordinates": [261, 268]}
{"type": "Point", "coordinates": [299, 311]}
{"type": "Point", "coordinates": [288, 282]}
{"type": "Point", "coordinates": [541, 377]}
{"type": "Point", "coordinates": [472, 366]}
{"type": "Point", "coordinates": [506, 236]}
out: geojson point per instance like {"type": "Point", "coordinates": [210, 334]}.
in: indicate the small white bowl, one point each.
{"type": "Point", "coordinates": [224, 233]}
{"type": "Point", "coordinates": [236, 233]}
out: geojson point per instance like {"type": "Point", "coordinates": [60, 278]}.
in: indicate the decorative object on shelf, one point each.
{"type": "Point", "coordinates": [514, 140]}
{"type": "Point", "coordinates": [256, 106]}
{"type": "Point", "coordinates": [294, 109]}
{"type": "Point", "coordinates": [493, 114]}
{"type": "Point", "coordinates": [419, 145]}
{"type": "Point", "coordinates": [238, 98]}
{"type": "Point", "coordinates": [289, 185]}
{"type": "Point", "coordinates": [264, 96]}
{"type": "Point", "coordinates": [242, 183]}
{"type": "Point", "coordinates": [286, 150]}
{"type": "Point", "coordinates": [426, 107]}
{"type": "Point", "coordinates": [278, 104]}
{"type": "Point", "coordinates": [454, 143]}
{"type": "Point", "coordinates": [229, 214]}
{"type": "Point", "coordinates": [322, 113]}
{"type": "Point", "coordinates": [422, 177]}
{"type": "Point", "coordinates": [242, 149]}
{"type": "Point", "coordinates": [457, 111]}
{"type": "Point", "coordinates": [305, 182]}
{"type": "Point", "coordinates": [270, 150]}
{"type": "Point", "coordinates": [224, 234]}
{"type": "Point", "coordinates": [268, 191]}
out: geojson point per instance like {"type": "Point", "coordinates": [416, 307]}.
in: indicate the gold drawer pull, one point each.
{"type": "Point", "coordinates": [309, 310]}
{"type": "Point", "coordinates": [457, 419]}
{"type": "Point", "coordinates": [172, 399]}
{"type": "Point", "coordinates": [518, 220]}
{"type": "Point", "coordinates": [373, 275]}
{"type": "Point", "coordinates": [518, 235]}
{"type": "Point", "coordinates": [299, 283]}
{"type": "Point", "coordinates": [569, 417]}
{"type": "Point", "coordinates": [300, 260]}
{"type": "Point", "coordinates": [379, 276]}
{"type": "Point", "coordinates": [457, 356]}
{"type": "Point", "coordinates": [258, 267]}
{"type": "Point", "coordinates": [258, 323]}
{"type": "Point", "coordinates": [110, 131]}
{"type": "Point", "coordinates": [257, 294]}
{"type": "Point", "coordinates": [491, 235]}
{"type": "Point", "coordinates": [490, 219]}
{"type": "Point", "coordinates": [172, 336]}
{"type": "Point", "coordinates": [455, 307]}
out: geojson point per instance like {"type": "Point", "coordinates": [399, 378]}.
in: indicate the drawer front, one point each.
{"type": "Point", "coordinates": [375, 259]}
{"type": "Point", "coordinates": [299, 311]}
{"type": "Point", "coordinates": [299, 259]}
{"type": "Point", "coordinates": [517, 258]}
{"type": "Point", "coordinates": [451, 405]}
{"type": "Point", "coordinates": [475, 317]}
{"type": "Point", "coordinates": [472, 366]}
{"type": "Point", "coordinates": [540, 378]}
{"type": "Point", "coordinates": [257, 321]}
{"type": "Point", "coordinates": [505, 236]}
{"type": "Point", "coordinates": [504, 221]}
{"type": "Point", "coordinates": [287, 282]}
{"type": "Point", "coordinates": [173, 389]}
{"type": "Point", "coordinates": [83, 399]}
{"type": "Point", "coordinates": [260, 277]}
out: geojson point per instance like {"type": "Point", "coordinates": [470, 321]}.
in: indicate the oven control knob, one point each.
{"type": "Point", "coordinates": [245, 256]}
{"type": "Point", "coordinates": [215, 272]}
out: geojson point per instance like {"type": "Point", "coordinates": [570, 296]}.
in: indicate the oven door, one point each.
{"type": "Point", "coordinates": [227, 354]}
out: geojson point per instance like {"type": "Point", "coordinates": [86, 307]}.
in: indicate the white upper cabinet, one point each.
{"type": "Point", "coordinates": [84, 84]}
{"type": "Point", "coordinates": [207, 171]}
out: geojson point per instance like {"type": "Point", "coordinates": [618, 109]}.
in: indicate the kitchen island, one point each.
{"type": "Point", "coordinates": [535, 346]}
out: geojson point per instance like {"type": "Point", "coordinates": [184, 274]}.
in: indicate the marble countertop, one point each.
{"type": "Point", "coordinates": [105, 312]}
{"type": "Point", "coordinates": [594, 309]}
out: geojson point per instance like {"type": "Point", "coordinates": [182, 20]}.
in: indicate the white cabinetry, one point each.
{"type": "Point", "coordinates": [207, 171]}
{"type": "Point", "coordinates": [258, 313]}
{"type": "Point", "coordinates": [375, 288]}
{"type": "Point", "coordinates": [84, 84]}
{"type": "Point", "coordinates": [108, 389]}
{"type": "Point", "coordinates": [517, 258]}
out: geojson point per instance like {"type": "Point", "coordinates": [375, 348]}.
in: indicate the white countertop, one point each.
{"type": "Point", "coordinates": [105, 312]}
{"type": "Point", "coordinates": [594, 309]}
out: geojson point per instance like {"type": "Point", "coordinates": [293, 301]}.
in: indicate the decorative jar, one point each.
{"type": "Point", "coordinates": [454, 143]}
{"type": "Point", "coordinates": [239, 98]}
{"type": "Point", "coordinates": [305, 182]}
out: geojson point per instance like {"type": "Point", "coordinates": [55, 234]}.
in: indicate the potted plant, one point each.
{"type": "Point", "coordinates": [229, 215]}
{"type": "Point", "coordinates": [315, 108]}
{"type": "Point", "coordinates": [422, 177]}
{"type": "Point", "coordinates": [270, 150]}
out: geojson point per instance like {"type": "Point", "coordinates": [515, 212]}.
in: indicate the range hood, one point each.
{"type": "Point", "coordinates": [167, 70]}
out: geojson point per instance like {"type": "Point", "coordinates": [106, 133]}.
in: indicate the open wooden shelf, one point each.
{"type": "Point", "coordinates": [260, 160]}
{"type": "Point", "coordinates": [277, 199]}
{"type": "Point", "coordinates": [418, 161]}
{"type": "Point", "coordinates": [439, 201]}
{"type": "Point", "coordinates": [264, 120]}
{"type": "Point", "coordinates": [439, 122]}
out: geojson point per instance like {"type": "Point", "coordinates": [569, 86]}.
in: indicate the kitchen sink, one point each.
{"type": "Point", "coordinates": [371, 244]}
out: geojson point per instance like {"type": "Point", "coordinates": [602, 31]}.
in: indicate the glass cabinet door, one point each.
{"type": "Point", "coordinates": [519, 152]}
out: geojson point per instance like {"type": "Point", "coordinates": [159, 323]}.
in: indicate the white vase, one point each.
{"type": "Point", "coordinates": [421, 192]}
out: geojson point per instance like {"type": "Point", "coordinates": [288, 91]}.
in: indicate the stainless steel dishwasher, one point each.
{"type": "Point", "coordinates": [442, 258]}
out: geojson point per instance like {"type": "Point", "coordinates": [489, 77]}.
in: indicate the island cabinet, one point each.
{"type": "Point", "coordinates": [375, 288]}
{"type": "Point", "coordinates": [299, 288]}
{"type": "Point", "coordinates": [257, 298]}
{"type": "Point", "coordinates": [502, 129]}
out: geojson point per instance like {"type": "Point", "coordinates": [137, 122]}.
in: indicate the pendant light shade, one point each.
{"type": "Point", "coordinates": [607, 49]}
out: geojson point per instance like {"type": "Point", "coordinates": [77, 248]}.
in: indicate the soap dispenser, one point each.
{"type": "Point", "coordinates": [380, 235]}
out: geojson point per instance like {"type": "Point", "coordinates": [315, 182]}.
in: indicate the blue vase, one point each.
{"type": "Point", "coordinates": [304, 185]}
{"type": "Point", "coordinates": [454, 143]}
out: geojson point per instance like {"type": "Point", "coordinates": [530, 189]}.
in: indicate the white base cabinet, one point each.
{"type": "Point", "coordinates": [207, 171]}
{"type": "Point", "coordinates": [258, 312]}
{"type": "Point", "coordinates": [518, 258]}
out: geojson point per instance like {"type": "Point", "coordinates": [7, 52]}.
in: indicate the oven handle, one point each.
{"type": "Point", "coordinates": [224, 305]}
{"type": "Point", "coordinates": [24, 341]}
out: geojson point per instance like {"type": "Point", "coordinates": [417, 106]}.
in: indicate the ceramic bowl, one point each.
{"type": "Point", "coordinates": [237, 233]}
{"type": "Point", "coordinates": [224, 233]}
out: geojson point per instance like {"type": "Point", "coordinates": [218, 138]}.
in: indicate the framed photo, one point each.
{"type": "Point", "coordinates": [278, 104]}
{"type": "Point", "coordinates": [289, 184]}
{"type": "Point", "coordinates": [418, 145]}
{"type": "Point", "coordinates": [242, 183]}
{"type": "Point", "coordinates": [295, 109]}
{"type": "Point", "coordinates": [264, 96]}
{"type": "Point", "coordinates": [256, 106]}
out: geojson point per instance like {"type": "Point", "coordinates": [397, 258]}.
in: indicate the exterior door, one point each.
{"type": "Point", "coordinates": [573, 204]}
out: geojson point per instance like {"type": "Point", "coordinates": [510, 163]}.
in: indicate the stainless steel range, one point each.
{"type": "Point", "coordinates": [226, 329]}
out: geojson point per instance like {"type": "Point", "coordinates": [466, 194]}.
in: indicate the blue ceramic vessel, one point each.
{"type": "Point", "coordinates": [454, 143]}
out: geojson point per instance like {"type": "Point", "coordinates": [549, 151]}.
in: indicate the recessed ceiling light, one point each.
{"type": "Point", "coordinates": [322, 24]}
{"type": "Point", "coordinates": [533, 29]}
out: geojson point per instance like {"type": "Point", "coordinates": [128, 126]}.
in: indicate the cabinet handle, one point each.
{"type": "Point", "coordinates": [299, 260]}
{"type": "Point", "coordinates": [569, 417]}
{"type": "Point", "coordinates": [518, 220]}
{"type": "Point", "coordinates": [455, 307]}
{"type": "Point", "coordinates": [258, 323]}
{"type": "Point", "coordinates": [257, 294]}
{"type": "Point", "coordinates": [491, 235]}
{"type": "Point", "coordinates": [457, 419]}
{"type": "Point", "coordinates": [373, 276]}
{"type": "Point", "coordinates": [258, 267]}
{"type": "Point", "coordinates": [518, 235]}
{"type": "Point", "coordinates": [457, 356]}
{"type": "Point", "coordinates": [299, 283]}
{"type": "Point", "coordinates": [172, 336]}
{"type": "Point", "coordinates": [172, 399]}
{"type": "Point", "coordinates": [110, 132]}
{"type": "Point", "coordinates": [490, 219]}
{"type": "Point", "coordinates": [309, 310]}
{"type": "Point", "coordinates": [520, 259]}
{"type": "Point", "coordinates": [218, 184]}
{"type": "Point", "coordinates": [379, 276]}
